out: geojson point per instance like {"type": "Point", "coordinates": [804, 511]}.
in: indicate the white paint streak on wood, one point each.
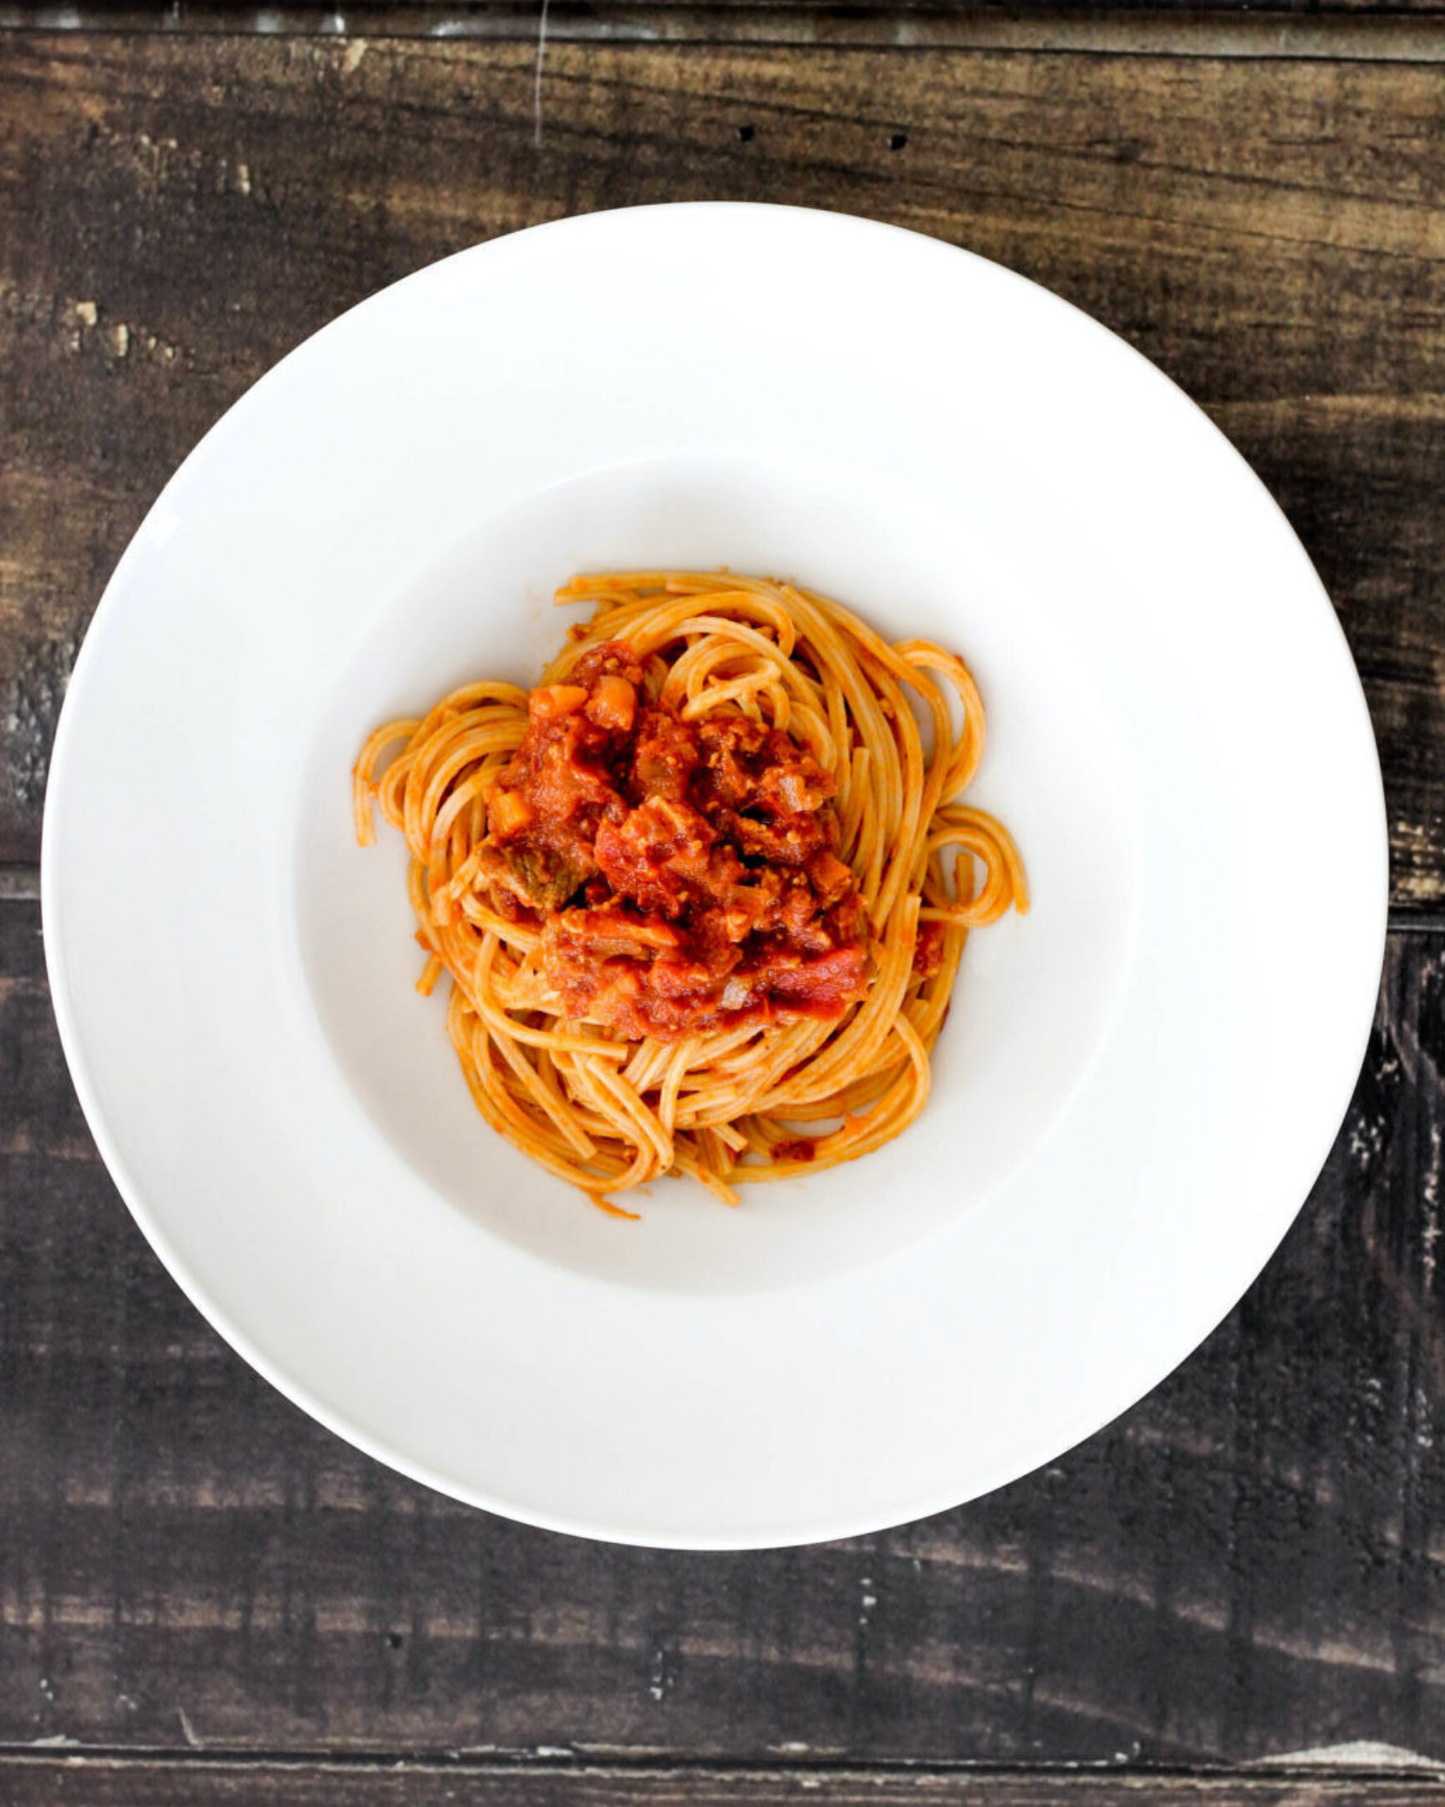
{"type": "Point", "coordinates": [1361, 1753]}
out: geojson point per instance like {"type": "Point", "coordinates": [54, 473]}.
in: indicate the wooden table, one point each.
{"type": "Point", "coordinates": [1236, 1593]}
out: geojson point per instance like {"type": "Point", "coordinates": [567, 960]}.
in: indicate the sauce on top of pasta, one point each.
{"type": "Point", "coordinates": [685, 873]}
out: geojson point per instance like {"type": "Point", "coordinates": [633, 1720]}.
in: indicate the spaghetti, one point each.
{"type": "Point", "coordinates": [702, 893]}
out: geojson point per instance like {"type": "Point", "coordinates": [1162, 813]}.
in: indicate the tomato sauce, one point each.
{"type": "Point", "coordinates": [685, 874]}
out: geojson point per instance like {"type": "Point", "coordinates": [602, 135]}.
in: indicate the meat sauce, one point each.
{"type": "Point", "coordinates": [685, 874]}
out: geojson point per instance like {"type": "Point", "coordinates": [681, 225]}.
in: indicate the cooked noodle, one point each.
{"type": "Point", "coordinates": [741, 1102]}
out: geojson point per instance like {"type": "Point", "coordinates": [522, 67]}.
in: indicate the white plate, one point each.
{"type": "Point", "coordinates": [1138, 1083]}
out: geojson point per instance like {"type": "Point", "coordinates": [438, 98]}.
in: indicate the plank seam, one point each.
{"type": "Point", "coordinates": [1265, 1772]}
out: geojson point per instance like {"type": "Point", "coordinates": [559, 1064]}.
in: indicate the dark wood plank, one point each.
{"type": "Point", "coordinates": [181, 210]}
{"type": "Point", "coordinates": [1356, 33]}
{"type": "Point", "coordinates": [110, 1782]}
{"type": "Point", "coordinates": [1350, 31]}
{"type": "Point", "coordinates": [405, 17]}
{"type": "Point", "coordinates": [1367, 30]}
{"type": "Point", "coordinates": [1249, 1564]}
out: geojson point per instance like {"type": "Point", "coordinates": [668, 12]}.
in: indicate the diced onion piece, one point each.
{"type": "Point", "coordinates": [613, 704]}
{"type": "Point", "coordinates": [551, 700]}
{"type": "Point", "coordinates": [509, 813]}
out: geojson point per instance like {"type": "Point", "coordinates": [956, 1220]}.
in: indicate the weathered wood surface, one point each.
{"type": "Point", "coordinates": [1354, 30]}
{"type": "Point", "coordinates": [179, 210]}
{"type": "Point", "coordinates": [1250, 1564]}
{"type": "Point", "coordinates": [132, 1782]}
{"type": "Point", "coordinates": [398, 17]}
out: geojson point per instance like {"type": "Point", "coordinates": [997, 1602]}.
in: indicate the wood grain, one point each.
{"type": "Point", "coordinates": [109, 1782]}
{"type": "Point", "coordinates": [193, 1577]}
{"type": "Point", "coordinates": [181, 210]}
{"type": "Point", "coordinates": [1249, 1564]}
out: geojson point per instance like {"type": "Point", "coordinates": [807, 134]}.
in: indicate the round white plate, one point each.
{"type": "Point", "coordinates": [1138, 1082]}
